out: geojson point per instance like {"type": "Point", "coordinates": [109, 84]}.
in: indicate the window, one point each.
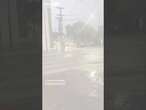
{"type": "Point", "coordinates": [73, 55]}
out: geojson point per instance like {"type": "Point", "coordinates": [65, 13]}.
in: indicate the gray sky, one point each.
{"type": "Point", "coordinates": [90, 11]}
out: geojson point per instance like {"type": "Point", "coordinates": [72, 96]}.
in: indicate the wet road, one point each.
{"type": "Point", "coordinates": [67, 83]}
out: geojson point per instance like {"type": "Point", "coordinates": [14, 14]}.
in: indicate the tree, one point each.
{"type": "Point", "coordinates": [83, 34]}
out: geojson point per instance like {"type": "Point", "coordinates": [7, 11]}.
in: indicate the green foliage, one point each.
{"type": "Point", "coordinates": [83, 34]}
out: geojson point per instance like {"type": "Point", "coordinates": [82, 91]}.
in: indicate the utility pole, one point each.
{"type": "Point", "coordinates": [60, 28]}
{"type": "Point", "coordinates": [60, 20]}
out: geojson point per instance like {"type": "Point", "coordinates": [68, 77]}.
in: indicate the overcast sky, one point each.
{"type": "Point", "coordinates": [89, 11]}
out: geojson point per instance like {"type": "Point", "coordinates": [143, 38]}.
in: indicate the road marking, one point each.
{"type": "Point", "coordinates": [55, 82]}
